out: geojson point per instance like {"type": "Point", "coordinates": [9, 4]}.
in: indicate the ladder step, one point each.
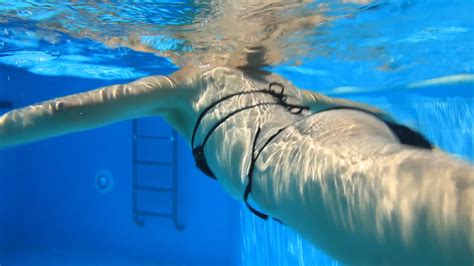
{"type": "Point", "coordinates": [155, 189]}
{"type": "Point", "coordinates": [170, 138]}
{"type": "Point", "coordinates": [155, 214]}
{"type": "Point", "coordinates": [154, 163]}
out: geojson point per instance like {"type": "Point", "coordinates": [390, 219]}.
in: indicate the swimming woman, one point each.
{"type": "Point", "coordinates": [345, 176]}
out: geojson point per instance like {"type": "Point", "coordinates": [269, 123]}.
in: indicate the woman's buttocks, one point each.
{"type": "Point", "coordinates": [316, 146]}
{"type": "Point", "coordinates": [338, 126]}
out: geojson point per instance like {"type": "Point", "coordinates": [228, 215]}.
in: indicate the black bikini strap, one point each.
{"type": "Point", "coordinates": [209, 133]}
{"type": "Point", "coordinates": [207, 109]}
{"type": "Point", "coordinates": [281, 100]}
{"type": "Point", "coordinates": [248, 188]}
{"type": "Point", "coordinates": [280, 96]}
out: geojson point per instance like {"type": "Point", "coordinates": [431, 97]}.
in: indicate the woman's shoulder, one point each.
{"type": "Point", "coordinates": [231, 79]}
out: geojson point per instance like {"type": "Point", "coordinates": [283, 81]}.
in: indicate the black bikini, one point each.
{"type": "Point", "coordinates": [404, 134]}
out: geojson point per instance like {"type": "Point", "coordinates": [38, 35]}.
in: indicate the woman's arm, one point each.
{"type": "Point", "coordinates": [143, 97]}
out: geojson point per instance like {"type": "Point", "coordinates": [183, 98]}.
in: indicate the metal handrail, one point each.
{"type": "Point", "coordinates": [178, 226]}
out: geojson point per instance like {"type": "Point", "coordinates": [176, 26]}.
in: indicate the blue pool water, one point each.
{"type": "Point", "coordinates": [414, 59]}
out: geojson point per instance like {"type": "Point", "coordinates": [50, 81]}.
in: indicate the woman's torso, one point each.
{"type": "Point", "coordinates": [228, 150]}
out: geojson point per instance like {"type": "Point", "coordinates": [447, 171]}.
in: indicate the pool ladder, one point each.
{"type": "Point", "coordinates": [140, 214]}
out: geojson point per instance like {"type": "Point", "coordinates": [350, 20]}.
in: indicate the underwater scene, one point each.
{"type": "Point", "coordinates": [237, 132]}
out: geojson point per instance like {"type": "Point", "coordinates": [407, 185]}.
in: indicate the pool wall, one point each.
{"type": "Point", "coordinates": [51, 211]}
